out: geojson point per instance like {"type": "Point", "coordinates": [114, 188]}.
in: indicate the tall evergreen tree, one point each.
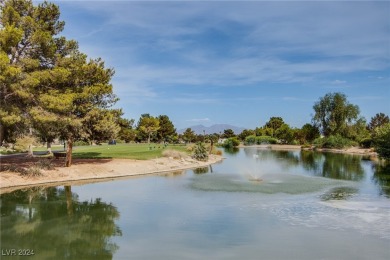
{"type": "Point", "coordinates": [227, 133]}
{"type": "Point", "coordinates": [245, 133]}
{"type": "Point", "coordinates": [377, 121]}
{"type": "Point", "coordinates": [167, 130]}
{"type": "Point", "coordinates": [141, 135]}
{"type": "Point", "coordinates": [47, 83]}
{"type": "Point", "coordinates": [126, 132]}
{"type": "Point", "coordinates": [189, 135]}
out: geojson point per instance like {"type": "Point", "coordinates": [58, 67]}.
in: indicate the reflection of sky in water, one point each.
{"type": "Point", "coordinates": [269, 183]}
{"type": "Point", "coordinates": [166, 218]}
{"type": "Point", "coordinates": [356, 205]}
{"type": "Point", "coordinates": [217, 213]}
{"type": "Point", "coordinates": [365, 217]}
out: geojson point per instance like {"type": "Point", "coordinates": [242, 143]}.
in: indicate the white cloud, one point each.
{"type": "Point", "coordinates": [162, 49]}
{"type": "Point", "coordinates": [333, 33]}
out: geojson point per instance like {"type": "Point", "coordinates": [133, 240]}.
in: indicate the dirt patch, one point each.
{"type": "Point", "coordinates": [91, 169]}
{"type": "Point", "coordinates": [352, 150]}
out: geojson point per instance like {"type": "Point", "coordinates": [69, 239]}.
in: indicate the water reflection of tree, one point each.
{"type": "Point", "coordinates": [329, 165]}
{"type": "Point", "coordinates": [311, 161]}
{"type": "Point", "coordinates": [342, 166]}
{"type": "Point", "coordinates": [53, 223]}
{"type": "Point", "coordinates": [231, 151]}
{"type": "Point", "coordinates": [201, 170]}
{"type": "Point", "coordinates": [332, 165]}
{"type": "Point", "coordinates": [381, 177]}
{"type": "Point", "coordinates": [288, 158]}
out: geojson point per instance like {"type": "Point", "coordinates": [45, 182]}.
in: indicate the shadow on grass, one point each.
{"type": "Point", "coordinates": [90, 155]}
{"type": "Point", "coordinates": [26, 162]}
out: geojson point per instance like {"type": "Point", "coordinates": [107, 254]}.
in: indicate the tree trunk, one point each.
{"type": "Point", "coordinates": [1, 134]}
{"type": "Point", "coordinates": [30, 211]}
{"type": "Point", "coordinates": [149, 138]}
{"type": "Point", "coordinates": [68, 160]}
{"type": "Point", "coordinates": [211, 145]}
{"type": "Point", "coordinates": [48, 146]}
{"type": "Point", "coordinates": [30, 151]}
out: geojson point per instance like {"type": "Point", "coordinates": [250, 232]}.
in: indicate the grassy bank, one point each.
{"type": "Point", "coordinates": [121, 151]}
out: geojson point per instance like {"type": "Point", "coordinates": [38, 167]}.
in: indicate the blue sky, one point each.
{"type": "Point", "coordinates": [237, 62]}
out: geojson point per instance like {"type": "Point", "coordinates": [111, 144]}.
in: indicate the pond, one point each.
{"type": "Point", "coordinates": [256, 204]}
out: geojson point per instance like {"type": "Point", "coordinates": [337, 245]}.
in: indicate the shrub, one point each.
{"type": "Point", "coordinates": [318, 141]}
{"type": "Point", "coordinates": [190, 147]}
{"type": "Point", "coordinates": [294, 142]}
{"type": "Point", "coordinates": [266, 140]}
{"type": "Point", "coordinates": [366, 143]}
{"type": "Point", "coordinates": [33, 171]}
{"type": "Point", "coordinates": [250, 140]}
{"type": "Point", "coordinates": [173, 153]}
{"type": "Point", "coordinates": [382, 141]}
{"type": "Point", "coordinates": [231, 142]}
{"type": "Point", "coordinates": [338, 142]}
{"type": "Point", "coordinates": [333, 142]}
{"type": "Point", "coordinates": [200, 152]}
{"type": "Point", "coordinates": [14, 168]}
{"type": "Point", "coordinates": [22, 144]}
{"type": "Point", "coordinates": [45, 164]}
{"type": "Point", "coordinates": [81, 143]}
{"type": "Point", "coordinates": [217, 152]}
{"type": "Point", "coordinates": [306, 146]}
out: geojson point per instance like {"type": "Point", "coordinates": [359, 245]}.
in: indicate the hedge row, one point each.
{"type": "Point", "coordinates": [252, 139]}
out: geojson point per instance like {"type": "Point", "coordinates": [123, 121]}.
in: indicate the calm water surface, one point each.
{"type": "Point", "coordinates": [257, 204]}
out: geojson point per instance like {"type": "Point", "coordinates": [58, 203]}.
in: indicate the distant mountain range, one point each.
{"type": "Point", "coordinates": [219, 128]}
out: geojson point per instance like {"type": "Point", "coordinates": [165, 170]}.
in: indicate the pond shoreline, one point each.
{"type": "Point", "coordinates": [351, 150]}
{"type": "Point", "coordinates": [92, 170]}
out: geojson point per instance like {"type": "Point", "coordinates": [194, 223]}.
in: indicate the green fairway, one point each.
{"type": "Point", "coordinates": [128, 151]}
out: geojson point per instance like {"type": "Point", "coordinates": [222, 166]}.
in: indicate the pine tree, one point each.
{"type": "Point", "coordinates": [167, 131]}
{"type": "Point", "coordinates": [46, 82]}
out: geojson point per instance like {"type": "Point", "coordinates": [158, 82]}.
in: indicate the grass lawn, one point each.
{"type": "Point", "coordinates": [5, 152]}
{"type": "Point", "coordinates": [128, 151]}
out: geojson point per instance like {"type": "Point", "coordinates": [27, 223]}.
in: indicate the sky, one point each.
{"type": "Point", "coordinates": [237, 62]}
